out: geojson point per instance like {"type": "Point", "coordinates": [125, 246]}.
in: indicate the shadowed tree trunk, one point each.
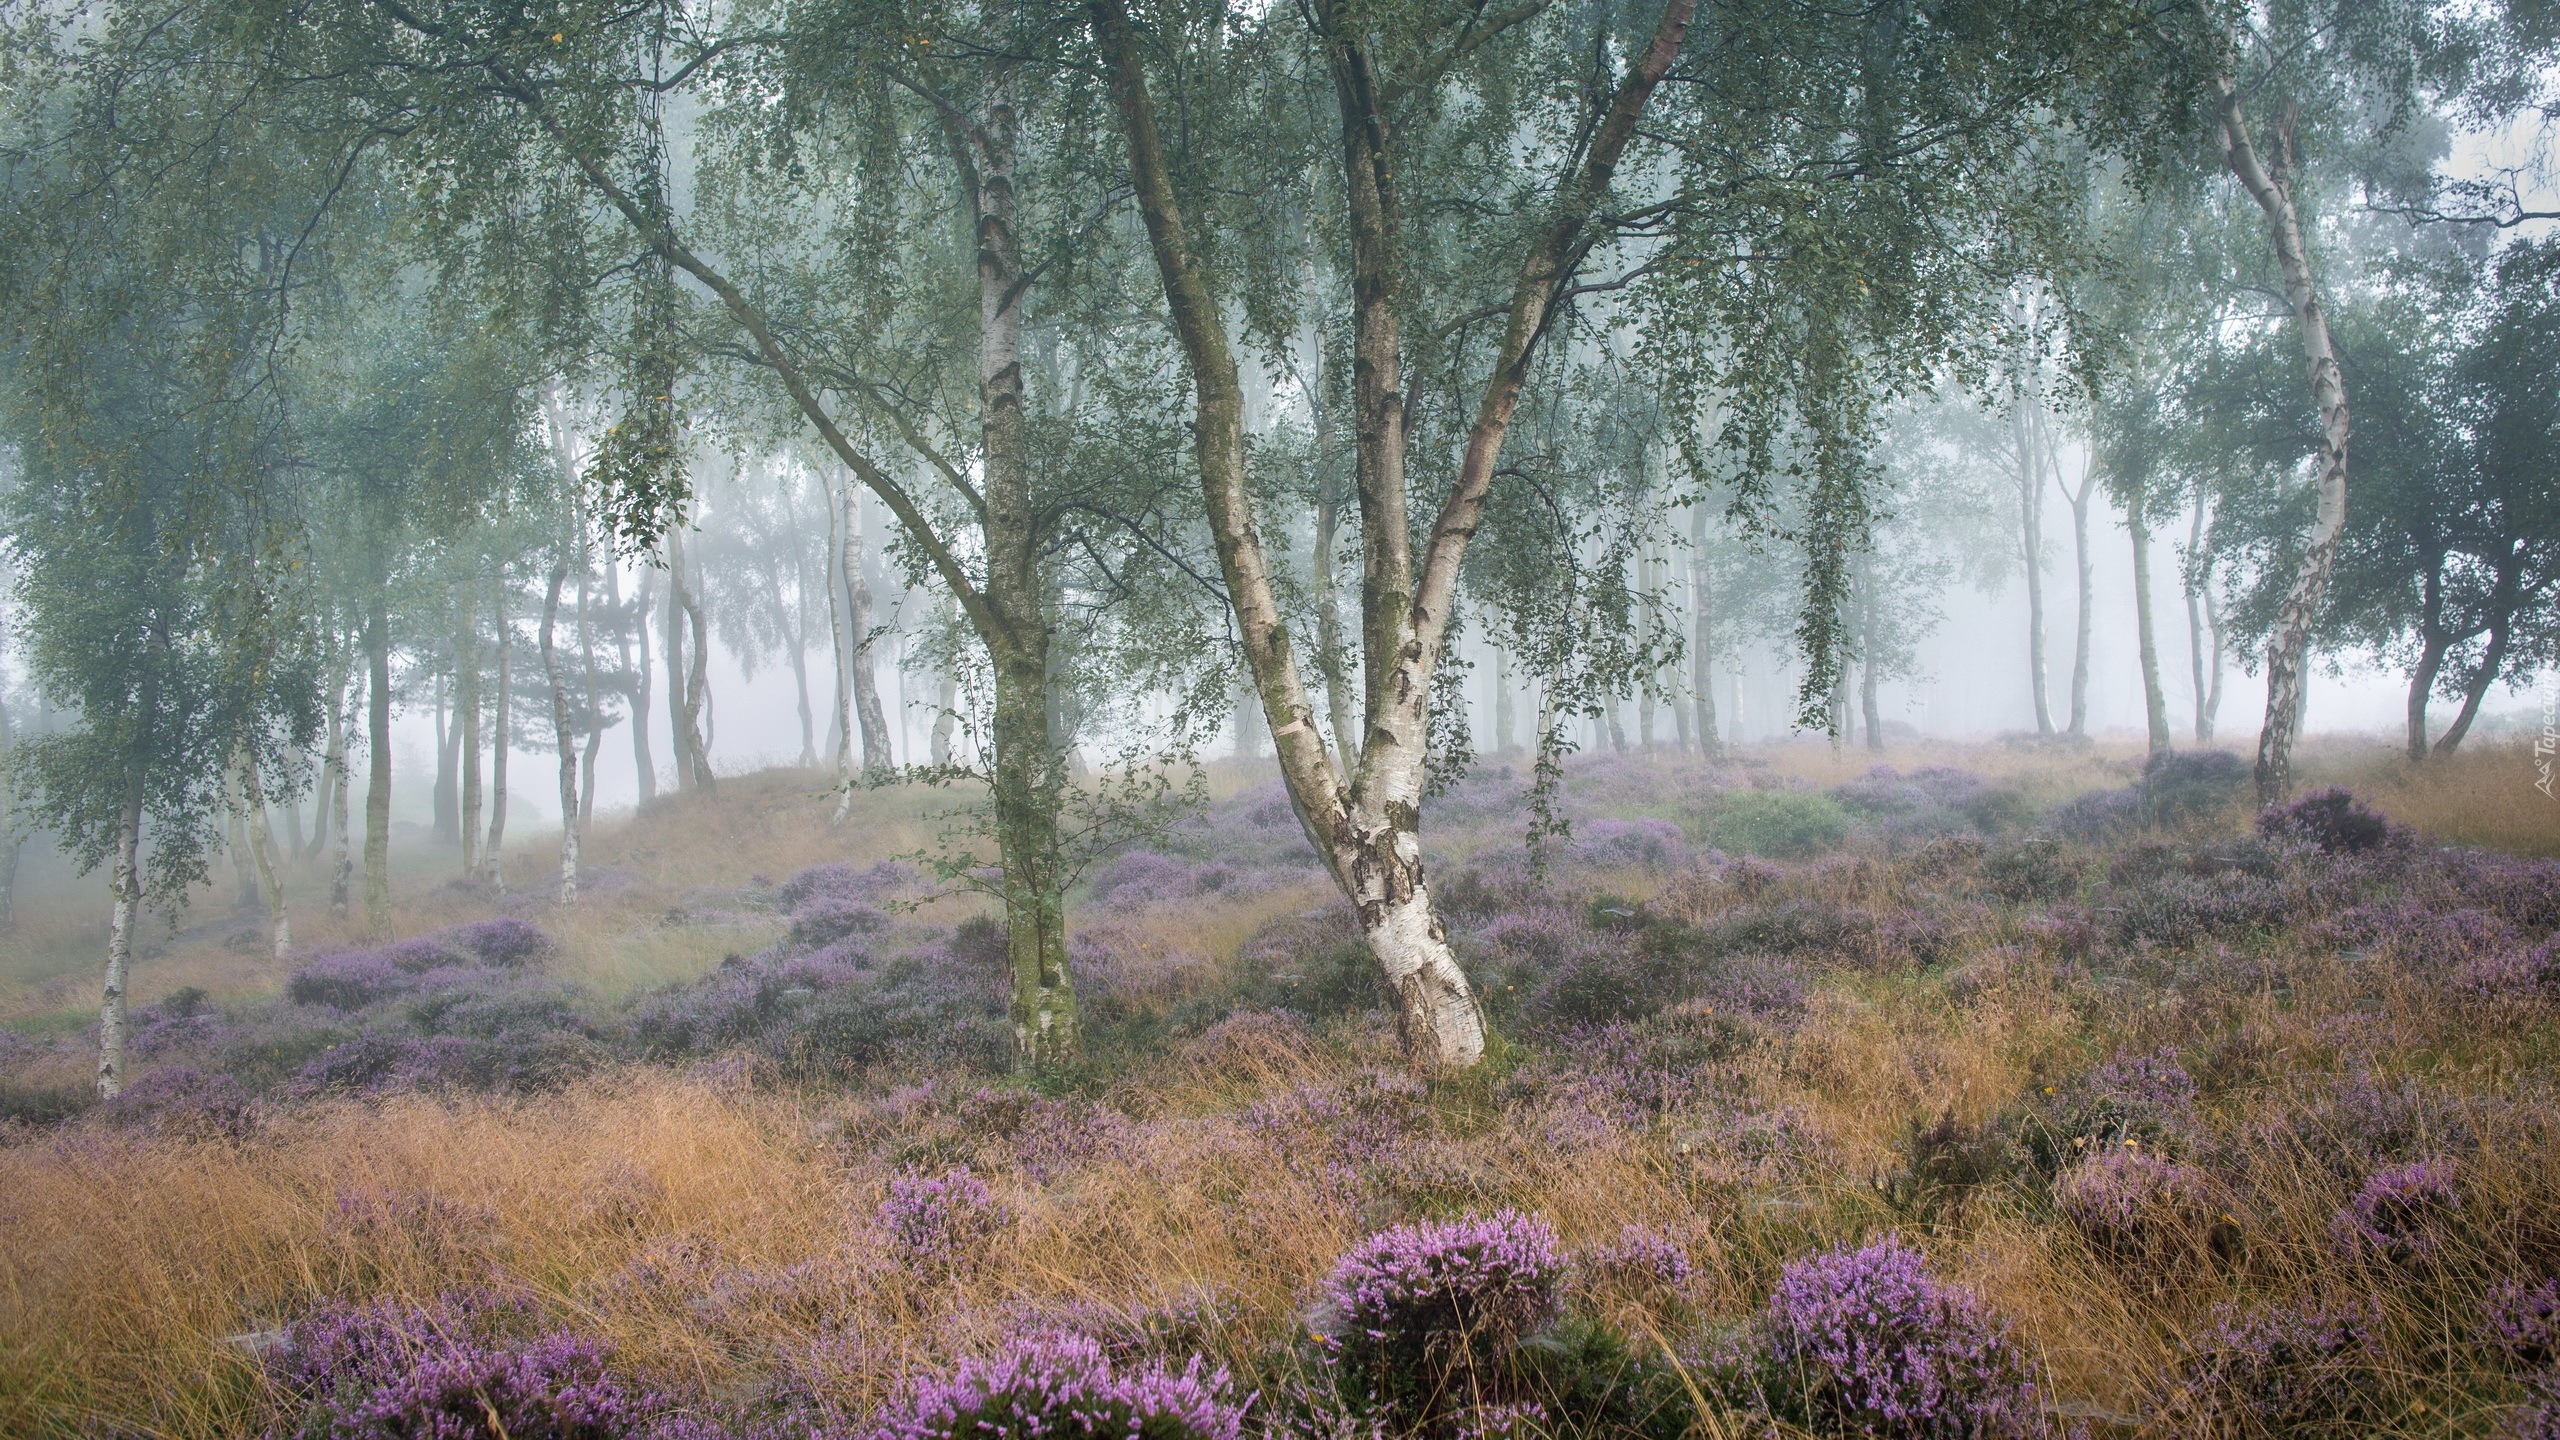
{"type": "Point", "coordinates": [377, 795]}
{"type": "Point", "coordinates": [2505, 596]}
{"type": "Point", "coordinates": [564, 734]}
{"type": "Point", "coordinates": [262, 854]}
{"type": "Point", "coordinates": [466, 723]}
{"type": "Point", "coordinates": [494, 855]}
{"type": "Point", "coordinates": [342, 866]}
{"type": "Point", "coordinates": [861, 611]}
{"type": "Point", "coordinates": [1701, 636]}
{"type": "Point", "coordinates": [644, 769]}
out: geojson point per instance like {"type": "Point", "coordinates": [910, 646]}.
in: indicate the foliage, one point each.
{"type": "Point", "coordinates": [1779, 824]}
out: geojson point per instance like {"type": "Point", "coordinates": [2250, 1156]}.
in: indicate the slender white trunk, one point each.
{"type": "Point", "coordinates": [342, 865]}
{"type": "Point", "coordinates": [2289, 643]}
{"type": "Point", "coordinates": [125, 882]}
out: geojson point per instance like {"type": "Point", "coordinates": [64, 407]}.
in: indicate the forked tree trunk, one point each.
{"type": "Point", "coordinates": [377, 795]}
{"type": "Point", "coordinates": [565, 734]}
{"type": "Point", "coordinates": [2155, 703]}
{"type": "Point", "coordinates": [2505, 598]}
{"type": "Point", "coordinates": [697, 688]}
{"type": "Point", "coordinates": [1369, 830]}
{"type": "Point", "coordinates": [262, 853]}
{"type": "Point", "coordinates": [2433, 642]}
{"type": "Point", "coordinates": [124, 883]}
{"type": "Point", "coordinates": [2289, 642]}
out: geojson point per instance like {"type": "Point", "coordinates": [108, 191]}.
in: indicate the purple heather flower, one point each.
{"type": "Point", "coordinates": [2279, 1368]}
{"type": "Point", "coordinates": [2332, 819]}
{"type": "Point", "coordinates": [2523, 1324]}
{"type": "Point", "coordinates": [1418, 1292]}
{"type": "Point", "coordinates": [937, 1224]}
{"type": "Point", "coordinates": [1641, 1258]}
{"type": "Point", "coordinates": [1062, 1387]}
{"type": "Point", "coordinates": [2400, 1213]}
{"type": "Point", "coordinates": [2137, 1209]}
{"type": "Point", "coordinates": [1879, 1347]}
{"type": "Point", "coordinates": [393, 1370]}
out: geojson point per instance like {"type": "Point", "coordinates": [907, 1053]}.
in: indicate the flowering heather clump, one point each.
{"type": "Point", "coordinates": [830, 918]}
{"type": "Point", "coordinates": [2138, 1210]}
{"type": "Point", "coordinates": [938, 1224]}
{"type": "Point", "coordinates": [1062, 1387]}
{"type": "Point", "coordinates": [2331, 820]}
{"type": "Point", "coordinates": [503, 943]}
{"type": "Point", "coordinates": [1408, 1300]}
{"type": "Point", "coordinates": [182, 1100]}
{"type": "Point", "coordinates": [2182, 785]}
{"type": "Point", "coordinates": [2400, 1213]}
{"type": "Point", "coordinates": [2360, 1123]}
{"type": "Point", "coordinates": [391, 1370]}
{"type": "Point", "coordinates": [2540, 1417]}
{"type": "Point", "coordinates": [2415, 933]}
{"type": "Point", "coordinates": [1642, 1259]}
{"type": "Point", "coordinates": [348, 981]}
{"type": "Point", "coordinates": [2519, 973]}
{"type": "Point", "coordinates": [1652, 844]}
{"type": "Point", "coordinates": [2523, 1323]}
{"type": "Point", "coordinates": [1866, 1342]}
{"type": "Point", "coordinates": [2273, 1370]}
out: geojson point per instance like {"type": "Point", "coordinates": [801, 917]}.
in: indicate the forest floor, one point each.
{"type": "Point", "coordinates": [2198, 1129]}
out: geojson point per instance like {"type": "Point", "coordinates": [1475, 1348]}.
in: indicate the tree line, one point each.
{"type": "Point", "coordinates": [1195, 360]}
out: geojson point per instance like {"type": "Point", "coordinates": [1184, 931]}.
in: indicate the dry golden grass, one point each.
{"type": "Point", "coordinates": [2483, 794]}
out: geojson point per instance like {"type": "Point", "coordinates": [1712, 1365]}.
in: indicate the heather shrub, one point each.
{"type": "Point", "coordinates": [2132, 1102]}
{"type": "Point", "coordinates": [503, 943]}
{"type": "Point", "coordinates": [827, 919]}
{"type": "Point", "coordinates": [2401, 1213]}
{"type": "Point", "coordinates": [938, 1224]}
{"type": "Point", "coordinates": [2180, 786]}
{"type": "Point", "coordinates": [1410, 1308]}
{"type": "Point", "coordinates": [1641, 1262]}
{"type": "Point", "coordinates": [447, 1370]}
{"type": "Point", "coordinates": [2150, 1218]}
{"type": "Point", "coordinates": [1868, 1343]}
{"type": "Point", "coordinates": [2358, 1123]}
{"type": "Point", "coordinates": [351, 980]}
{"type": "Point", "coordinates": [1777, 824]}
{"type": "Point", "coordinates": [182, 1100]}
{"type": "Point", "coordinates": [2036, 868]}
{"type": "Point", "coordinates": [2098, 815]}
{"type": "Point", "coordinates": [2522, 1324]}
{"type": "Point", "coordinates": [2331, 820]}
{"type": "Point", "coordinates": [2278, 1370]}
{"type": "Point", "coordinates": [1063, 1387]}
{"type": "Point", "coordinates": [1652, 844]}
{"type": "Point", "coordinates": [2516, 973]}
